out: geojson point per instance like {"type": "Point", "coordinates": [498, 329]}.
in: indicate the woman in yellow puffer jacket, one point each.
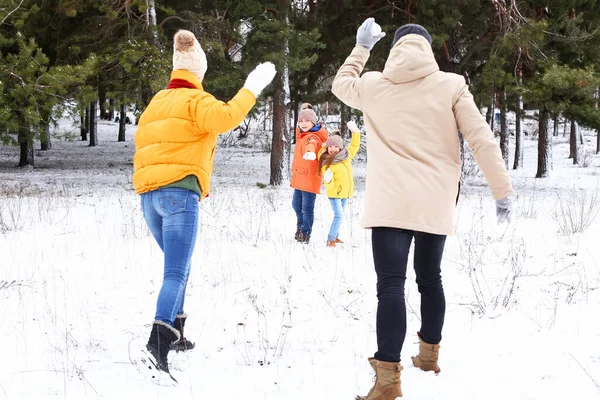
{"type": "Point", "coordinates": [175, 146]}
{"type": "Point", "coordinates": [335, 164]}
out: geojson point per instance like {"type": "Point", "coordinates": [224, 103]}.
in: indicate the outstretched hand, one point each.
{"type": "Point", "coordinates": [504, 210]}
{"type": "Point", "coordinates": [310, 156]}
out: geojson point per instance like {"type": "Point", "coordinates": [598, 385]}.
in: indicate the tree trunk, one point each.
{"type": "Point", "coordinates": [279, 165]}
{"type": "Point", "coordinates": [85, 126]}
{"type": "Point", "coordinates": [555, 126]}
{"type": "Point", "coordinates": [26, 144]}
{"type": "Point", "coordinates": [153, 31]}
{"type": "Point", "coordinates": [93, 125]}
{"type": "Point", "coordinates": [488, 115]}
{"type": "Point", "coordinates": [492, 109]}
{"type": "Point", "coordinates": [122, 119]}
{"type": "Point", "coordinates": [518, 163]}
{"type": "Point", "coordinates": [294, 108]}
{"type": "Point", "coordinates": [151, 20]}
{"type": "Point", "coordinates": [111, 109]}
{"type": "Point", "coordinates": [280, 148]}
{"type": "Point", "coordinates": [45, 141]}
{"type": "Point", "coordinates": [544, 147]}
{"type": "Point", "coordinates": [504, 135]}
{"type": "Point", "coordinates": [102, 102]}
{"type": "Point", "coordinates": [573, 143]}
{"type": "Point", "coordinates": [312, 11]}
{"type": "Point", "coordinates": [597, 130]}
{"type": "Point", "coordinates": [344, 118]}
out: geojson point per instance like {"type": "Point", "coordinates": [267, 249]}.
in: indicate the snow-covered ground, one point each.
{"type": "Point", "coordinates": [274, 319]}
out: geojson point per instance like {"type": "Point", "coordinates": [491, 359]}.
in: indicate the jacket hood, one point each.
{"type": "Point", "coordinates": [410, 59]}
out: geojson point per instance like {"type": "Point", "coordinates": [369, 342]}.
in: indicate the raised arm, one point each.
{"type": "Point", "coordinates": [217, 116]}
{"type": "Point", "coordinates": [355, 141]}
{"type": "Point", "coordinates": [347, 83]}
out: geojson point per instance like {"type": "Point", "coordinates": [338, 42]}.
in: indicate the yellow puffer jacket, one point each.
{"type": "Point", "coordinates": [177, 134]}
{"type": "Point", "coordinates": [342, 184]}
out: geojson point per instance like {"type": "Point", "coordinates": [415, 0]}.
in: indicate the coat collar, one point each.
{"type": "Point", "coordinates": [187, 76]}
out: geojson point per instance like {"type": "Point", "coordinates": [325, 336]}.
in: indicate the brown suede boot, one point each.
{"type": "Point", "coordinates": [387, 381]}
{"type": "Point", "coordinates": [427, 360]}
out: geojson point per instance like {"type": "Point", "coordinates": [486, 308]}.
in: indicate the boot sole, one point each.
{"type": "Point", "coordinates": [146, 365]}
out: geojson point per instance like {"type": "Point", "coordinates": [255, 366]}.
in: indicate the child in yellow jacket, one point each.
{"type": "Point", "coordinates": [335, 164]}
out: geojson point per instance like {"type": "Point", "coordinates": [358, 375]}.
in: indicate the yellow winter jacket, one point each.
{"type": "Point", "coordinates": [342, 184]}
{"type": "Point", "coordinates": [177, 133]}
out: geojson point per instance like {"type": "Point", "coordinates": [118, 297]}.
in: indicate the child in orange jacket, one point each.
{"type": "Point", "coordinates": [306, 179]}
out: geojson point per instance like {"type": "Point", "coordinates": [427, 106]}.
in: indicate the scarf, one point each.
{"type": "Point", "coordinates": [340, 156]}
{"type": "Point", "coordinates": [180, 83]}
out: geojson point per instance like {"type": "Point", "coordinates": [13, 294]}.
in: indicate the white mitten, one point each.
{"type": "Point", "coordinates": [369, 33]}
{"type": "Point", "coordinates": [260, 77]}
{"type": "Point", "coordinates": [352, 126]}
{"type": "Point", "coordinates": [310, 156]}
{"type": "Point", "coordinates": [328, 176]}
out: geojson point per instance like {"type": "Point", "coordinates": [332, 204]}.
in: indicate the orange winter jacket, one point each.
{"type": "Point", "coordinates": [305, 173]}
{"type": "Point", "coordinates": [177, 133]}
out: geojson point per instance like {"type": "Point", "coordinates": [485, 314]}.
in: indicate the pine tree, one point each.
{"type": "Point", "coordinates": [291, 49]}
{"type": "Point", "coordinates": [29, 94]}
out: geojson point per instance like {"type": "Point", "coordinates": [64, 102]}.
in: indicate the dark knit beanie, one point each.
{"type": "Point", "coordinates": [408, 29]}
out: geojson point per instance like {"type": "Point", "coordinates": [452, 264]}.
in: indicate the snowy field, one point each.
{"type": "Point", "coordinates": [275, 319]}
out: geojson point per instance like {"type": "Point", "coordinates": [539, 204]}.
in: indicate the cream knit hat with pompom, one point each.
{"type": "Point", "coordinates": [188, 55]}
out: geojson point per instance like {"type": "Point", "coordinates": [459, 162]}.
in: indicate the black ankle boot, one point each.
{"type": "Point", "coordinates": [182, 344]}
{"type": "Point", "coordinates": [161, 338]}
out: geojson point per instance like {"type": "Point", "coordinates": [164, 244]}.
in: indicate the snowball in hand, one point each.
{"type": "Point", "coordinates": [375, 29]}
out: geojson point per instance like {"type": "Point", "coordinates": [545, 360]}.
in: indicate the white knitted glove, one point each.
{"type": "Point", "coordinates": [328, 176]}
{"type": "Point", "coordinates": [369, 33]}
{"type": "Point", "coordinates": [504, 210]}
{"type": "Point", "coordinates": [352, 127]}
{"type": "Point", "coordinates": [260, 77]}
{"type": "Point", "coordinates": [310, 156]}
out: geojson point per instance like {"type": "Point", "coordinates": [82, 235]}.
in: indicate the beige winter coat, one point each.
{"type": "Point", "coordinates": [413, 113]}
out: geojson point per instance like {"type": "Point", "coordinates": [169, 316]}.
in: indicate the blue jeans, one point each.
{"type": "Point", "coordinates": [172, 217]}
{"type": "Point", "coordinates": [337, 205]}
{"type": "Point", "coordinates": [304, 206]}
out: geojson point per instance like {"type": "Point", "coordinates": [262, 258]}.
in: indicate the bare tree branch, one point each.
{"type": "Point", "coordinates": [10, 13]}
{"type": "Point", "coordinates": [170, 18]}
{"type": "Point", "coordinates": [573, 38]}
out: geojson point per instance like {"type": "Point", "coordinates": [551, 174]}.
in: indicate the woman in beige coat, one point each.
{"type": "Point", "coordinates": [413, 113]}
